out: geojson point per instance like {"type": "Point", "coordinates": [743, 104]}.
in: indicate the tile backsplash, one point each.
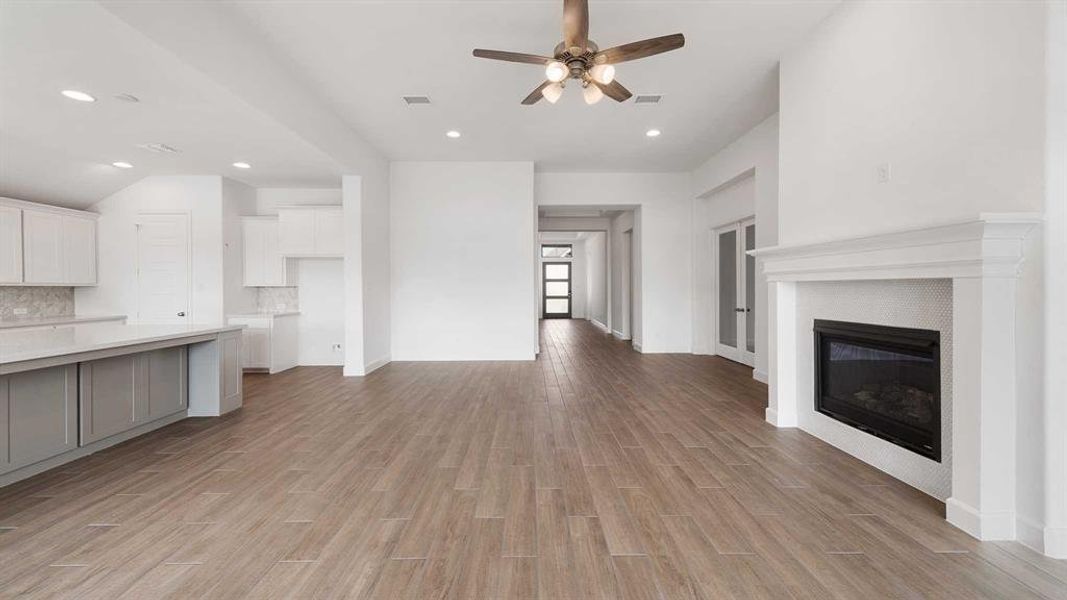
{"type": "Point", "coordinates": [38, 302]}
{"type": "Point", "coordinates": [277, 299]}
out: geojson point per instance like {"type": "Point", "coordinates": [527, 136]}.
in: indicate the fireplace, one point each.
{"type": "Point", "coordinates": [885, 381]}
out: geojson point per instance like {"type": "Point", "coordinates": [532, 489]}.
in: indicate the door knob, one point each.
{"type": "Point", "coordinates": [739, 310]}
{"type": "Point", "coordinates": [181, 314]}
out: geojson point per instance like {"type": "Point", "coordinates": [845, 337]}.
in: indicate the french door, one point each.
{"type": "Point", "coordinates": [556, 290]}
{"type": "Point", "coordinates": [736, 296]}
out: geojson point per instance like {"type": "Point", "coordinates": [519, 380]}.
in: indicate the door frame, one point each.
{"type": "Point", "coordinates": [544, 290]}
{"type": "Point", "coordinates": [187, 218]}
{"type": "Point", "coordinates": [740, 353]}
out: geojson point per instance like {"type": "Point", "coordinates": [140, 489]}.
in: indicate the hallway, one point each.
{"type": "Point", "coordinates": [593, 472]}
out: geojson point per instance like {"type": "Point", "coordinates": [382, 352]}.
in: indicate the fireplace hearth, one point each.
{"type": "Point", "coordinates": [885, 381]}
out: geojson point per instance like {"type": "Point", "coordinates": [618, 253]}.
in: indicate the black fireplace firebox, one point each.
{"type": "Point", "coordinates": [885, 381]}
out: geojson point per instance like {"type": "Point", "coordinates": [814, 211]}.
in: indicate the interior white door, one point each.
{"type": "Point", "coordinates": [163, 269]}
{"type": "Point", "coordinates": [736, 292]}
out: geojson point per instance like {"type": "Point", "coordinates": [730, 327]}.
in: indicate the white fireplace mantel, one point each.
{"type": "Point", "coordinates": [982, 257]}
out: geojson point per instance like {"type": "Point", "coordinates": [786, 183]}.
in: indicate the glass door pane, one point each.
{"type": "Point", "coordinates": [750, 289]}
{"type": "Point", "coordinates": [556, 288]}
{"type": "Point", "coordinates": [728, 288]}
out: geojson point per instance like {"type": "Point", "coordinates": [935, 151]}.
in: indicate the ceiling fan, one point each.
{"type": "Point", "coordinates": [578, 57]}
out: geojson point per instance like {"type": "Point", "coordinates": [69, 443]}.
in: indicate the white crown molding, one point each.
{"type": "Point", "coordinates": [37, 206]}
{"type": "Point", "coordinates": [990, 245]}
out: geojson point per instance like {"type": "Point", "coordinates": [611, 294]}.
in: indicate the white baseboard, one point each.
{"type": "Point", "coordinates": [618, 334]}
{"type": "Point", "coordinates": [772, 417]}
{"type": "Point", "coordinates": [1056, 542]}
{"type": "Point", "coordinates": [983, 526]}
{"type": "Point", "coordinates": [636, 346]}
{"type": "Point", "coordinates": [1030, 533]}
{"type": "Point", "coordinates": [600, 326]}
{"type": "Point", "coordinates": [759, 376]}
{"type": "Point", "coordinates": [374, 365]}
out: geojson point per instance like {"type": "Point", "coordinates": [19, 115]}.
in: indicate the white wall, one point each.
{"type": "Point", "coordinates": [753, 156]}
{"type": "Point", "coordinates": [626, 278]}
{"type": "Point", "coordinates": [952, 96]}
{"type": "Point", "coordinates": [321, 323]}
{"type": "Point", "coordinates": [238, 200]}
{"type": "Point", "coordinates": [595, 249]}
{"type": "Point", "coordinates": [200, 197]}
{"type": "Point", "coordinates": [462, 241]}
{"type": "Point", "coordinates": [663, 202]}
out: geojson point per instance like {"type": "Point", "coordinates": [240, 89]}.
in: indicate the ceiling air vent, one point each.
{"type": "Point", "coordinates": [161, 148]}
{"type": "Point", "coordinates": [647, 98]}
{"type": "Point", "coordinates": [414, 100]}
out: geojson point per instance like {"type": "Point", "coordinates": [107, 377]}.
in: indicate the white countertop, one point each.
{"type": "Point", "coordinates": [265, 315]}
{"type": "Point", "coordinates": [50, 321]}
{"type": "Point", "coordinates": [20, 345]}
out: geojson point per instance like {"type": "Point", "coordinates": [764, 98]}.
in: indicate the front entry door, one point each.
{"type": "Point", "coordinates": [736, 296]}
{"type": "Point", "coordinates": [556, 290]}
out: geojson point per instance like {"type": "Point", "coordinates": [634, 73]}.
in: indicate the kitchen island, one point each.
{"type": "Point", "coordinates": [69, 391]}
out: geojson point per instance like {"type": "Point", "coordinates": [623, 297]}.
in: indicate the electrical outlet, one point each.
{"type": "Point", "coordinates": [21, 310]}
{"type": "Point", "coordinates": [885, 172]}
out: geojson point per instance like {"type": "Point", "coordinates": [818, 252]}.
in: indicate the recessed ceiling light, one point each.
{"type": "Point", "coordinates": [79, 96]}
{"type": "Point", "coordinates": [122, 165]}
{"type": "Point", "coordinates": [242, 165]}
{"type": "Point", "coordinates": [653, 132]}
{"type": "Point", "coordinates": [452, 134]}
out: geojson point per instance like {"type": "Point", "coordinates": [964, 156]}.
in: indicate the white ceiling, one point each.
{"type": "Point", "coordinates": [59, 151]}
{"type": "Point", "coordinates": [352, 61]}
{"type": "Point", "coordinates": [363, 56]}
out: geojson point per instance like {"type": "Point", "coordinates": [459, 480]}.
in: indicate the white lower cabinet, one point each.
{"type": "Point", "coordinates": [269, 341]}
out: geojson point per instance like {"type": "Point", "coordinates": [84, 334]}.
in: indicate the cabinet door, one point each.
{"type": "Point", "coordinates": [42, 246]}
{"type": "Point", "coordinates": [255, 352]}
{"type": "Point", "coordinates": [283, 343]}
{"type": "Point", "coordinates": [109, 390]}
{"type": "Point", "coordinates": [296, 232]}
{"type": "Point", "coordinates": [329, 232]}
{"type": "Point", "coordinates": [38, 415]}
{"type": "Point", "coordinates": [167, 383]}
{"type": "Point", "coordinates": [253, 247]}
{"type": "Point", "coordinates": [230, 365]}
{"type": "Point", "coordinates": [79, 239]}
{"type": "Point", "coordinates": [10, 245]}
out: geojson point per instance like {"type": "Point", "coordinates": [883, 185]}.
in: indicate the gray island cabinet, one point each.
{"type": "Point", "coordinates": [71, 391]}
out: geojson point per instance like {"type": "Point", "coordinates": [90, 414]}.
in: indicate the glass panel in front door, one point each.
{"type": "Point", "coordinates": [728, 288]}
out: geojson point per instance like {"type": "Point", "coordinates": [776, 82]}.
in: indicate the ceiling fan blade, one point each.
{"type": "Point", "coordinates": [576, 25]}
{"type": "Point", "coordinates": [518, 57]}
{"type": "Point", "coordinates": [635, 50]}
{"type": "Point", "coordinates": [613, 90]}
{"type": "Point", "coordinates": [536, 94]}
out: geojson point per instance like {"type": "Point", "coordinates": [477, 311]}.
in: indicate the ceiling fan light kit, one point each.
{"type": "Point", "coordinates": [578, 57]}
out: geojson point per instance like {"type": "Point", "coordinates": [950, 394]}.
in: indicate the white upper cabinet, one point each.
{"type": "Point", "coordinates": [43, 248]}
{"type": "Point", "coordinates": [79, 239]}
{"type": "Point", "coordinates": [10, 245]}
{"type": "Point", "coordinates": [311, 231]}
{"type": "Point", "coordinates": [45, 245]}
{"type": "Point", "coordinates": [264, 265]}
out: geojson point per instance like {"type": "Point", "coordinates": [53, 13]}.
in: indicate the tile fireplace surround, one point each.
{"type": "Point", "coordinates": [983, 258]}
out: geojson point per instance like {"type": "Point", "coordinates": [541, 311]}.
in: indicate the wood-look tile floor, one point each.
{"type": "Point", "coordinates": [594, 472]}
